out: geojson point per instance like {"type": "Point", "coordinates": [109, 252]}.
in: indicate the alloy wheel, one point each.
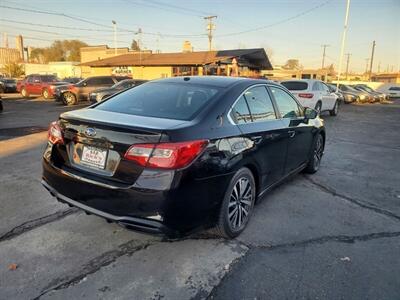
{"type": "Point", "coordinates": [318, 151]}
{"type": "Point", "coordinates": [240, 203]}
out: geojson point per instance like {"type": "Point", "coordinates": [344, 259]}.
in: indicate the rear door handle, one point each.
{"type": "Point", "coordinates": [292, 133]}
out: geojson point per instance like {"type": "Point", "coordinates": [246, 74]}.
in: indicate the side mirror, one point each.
{"type": "Point", "coordinates": [310, 113]}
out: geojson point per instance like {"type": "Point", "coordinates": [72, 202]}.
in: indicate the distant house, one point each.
{"type": "Point", "coordinates": [240, 62]}
{"type": "Point", "coordinates": [387, 77]}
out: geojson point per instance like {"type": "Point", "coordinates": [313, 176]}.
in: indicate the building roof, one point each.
{"type": "Point", "coordinates": [251, 57]}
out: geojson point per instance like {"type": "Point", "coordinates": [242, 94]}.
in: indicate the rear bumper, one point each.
{"type": "Point", "coordinates": [126, 221]}
{"type": "Point", "coordinates": [170, 204]}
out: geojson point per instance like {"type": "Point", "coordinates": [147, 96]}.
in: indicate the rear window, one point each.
{"type": "Point", "coordinates": [295, 85]}
{"type": "Point", "coordinates": [48, 78]}
{"type": "Point", "coordinates": [161, 100]}
{"type": "Point", "coordinates": [394, 88]}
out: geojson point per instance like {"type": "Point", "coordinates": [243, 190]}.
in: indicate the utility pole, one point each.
{"type": "Point", "coordinates": [366, 65]}
{"type": "Point", "coordinates": [115, 36]}
{"type": "Point", "coordinates": [347, 64]}
{"type": "Point", "coordinates": [346, 20]}
{"type": "Point", "coordinates": [323, 55]}
{"type": "Point", "coordinates": [372, 60]}
{"type": "Point", "coordinates": [210, 28]}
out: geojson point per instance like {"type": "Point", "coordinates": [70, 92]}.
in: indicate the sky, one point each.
{"type": "Point", "coordinates": [288, 29]}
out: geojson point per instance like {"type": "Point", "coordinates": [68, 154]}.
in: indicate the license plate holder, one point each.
{"type": "Point", "coordinates": [94, 157]}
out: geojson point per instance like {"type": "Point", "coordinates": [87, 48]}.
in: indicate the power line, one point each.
{"type": "Point", "coordinates": [278, 22]}
{"type": "Point", "coordinates": [54, 26]}
{"type": "Point", "coordinates": [98, 24]}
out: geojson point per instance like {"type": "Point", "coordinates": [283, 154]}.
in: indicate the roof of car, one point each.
{"type": "Point", "coordinates": [218, 81]}
{"type": "Point", "coordinates": [302, 80]}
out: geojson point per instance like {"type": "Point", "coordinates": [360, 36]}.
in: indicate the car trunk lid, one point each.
{"type": "Point", "coordinates": [96, 142]}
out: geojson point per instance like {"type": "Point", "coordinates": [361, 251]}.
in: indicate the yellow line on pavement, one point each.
{"type": "Point", "coordinates": [21, 144]}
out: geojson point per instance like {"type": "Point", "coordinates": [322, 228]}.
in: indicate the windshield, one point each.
{"type": "Point", "coordinates": [123, 84]}
{"type": "Point", "coordinates": [161, 100]}
{"type": "Point", "coordinates": [295, 85]}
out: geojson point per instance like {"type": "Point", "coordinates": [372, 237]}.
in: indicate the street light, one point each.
{"type": "Point", "coordinates": [115, 36]}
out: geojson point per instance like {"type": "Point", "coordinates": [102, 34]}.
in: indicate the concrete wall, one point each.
{"type": "Point", "coordinates": [61, 69]}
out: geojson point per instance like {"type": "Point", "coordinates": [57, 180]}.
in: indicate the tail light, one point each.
{"type": "Point", "coordinates": [166, 155]}
{"type": "Point", "coordinates": [306, 95]}
{"type": "Point", "coordinates": [55, 133]}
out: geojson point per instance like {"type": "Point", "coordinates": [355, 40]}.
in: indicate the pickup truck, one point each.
{"type": "Point", "coordinates": [36, 84]}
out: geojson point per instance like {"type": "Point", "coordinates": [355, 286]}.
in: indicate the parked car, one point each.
{"type": "Point", "coordinates": [8, 85]}
{"type": "Point", "coordinates": [392, 90]}
{"type": "Point", "coordinates": [338, 93]}
{"type": "Point", "coordinates": [36, 84]}
{"type": "Point", "coordinates": [72, 79]}
{"type": "Point", "coordinates": [176, 154]}
{"type": "Point", "coordinates": [71, 94]}
{"type": "Point", "coordinates": [348, 96]}
{"type": "Point", "coordinates": [372, 96]}
{"type": "Point", "coordinates": [1, 105]}
{"type": "Point", "coordinates": [362, 96]}
{"type": "Point", "coordinates": [101, 94]}
{"type": "Point", "coordinates": [379, 95]}
{"type": "Point", "coordinates": [314, 93]}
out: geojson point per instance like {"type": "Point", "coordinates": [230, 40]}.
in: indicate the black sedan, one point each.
{"type": "Point", "coordinates": [103, 93]}
{"type": "Point", "coordinates": [177, 154]}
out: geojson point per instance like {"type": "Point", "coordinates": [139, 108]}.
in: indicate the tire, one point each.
{"type": "Point", "coordinates": [46, 94]}
{"type": "Point", "coordinates": [316, 156]}
{"type": "Point", "coordinates": [230, 222]}
{"type": "Point", "coordinates": [24, 93]}
{"type": "Point", "coordinates": [69, 99]}
{"type": "Point", "coordinates": [318, 107]}
{"type": "Point", "coordinates": [335, 110]}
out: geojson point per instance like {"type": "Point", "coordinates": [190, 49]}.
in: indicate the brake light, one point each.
{"type": "Point", "coordinates": [55, 133]}
{"type": "Point", "coordinates": [306, 95]}
{"type": "Point", "coordinates": [166, 155]}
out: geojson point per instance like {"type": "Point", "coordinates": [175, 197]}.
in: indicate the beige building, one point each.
{"type": "Point", "coordinates": [92, 53]}
{"type": "Point", "coordinates": [280, 74]}
{"type": "Point", "coordinates": [240, 62]}
{"type": "Point", "coordinates": [61, 69]}
{"type": "Point", "coordinates": [386, 77]}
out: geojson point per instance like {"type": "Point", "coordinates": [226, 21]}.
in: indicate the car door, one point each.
{"type": "Point", "coordinates": [28, 84]}
{"type": "Point", "coordinates": [298, 132]}
{"type": "Point", "coordinates": [256, 118]}
{"type": "Point", "coordinates": [328, 97]}
{"type": "Point", "coordinates": [88, 86]}
{"type": "Point", "coordinates": [35, 87]}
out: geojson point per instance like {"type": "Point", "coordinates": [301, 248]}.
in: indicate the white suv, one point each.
{"type": "Point", "coordinates": [315, 94]}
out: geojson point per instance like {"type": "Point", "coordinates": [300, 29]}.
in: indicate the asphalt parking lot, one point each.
{"type": "Point", "coordinates": [332, 235]}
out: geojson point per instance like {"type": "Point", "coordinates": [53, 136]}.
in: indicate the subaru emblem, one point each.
{"type": "Point", "coordinates": [90, 132]}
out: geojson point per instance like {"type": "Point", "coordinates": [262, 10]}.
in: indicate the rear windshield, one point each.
{"type": "Point", "coordinates": [295, 85]}
{"type": "Point", "coordinates": [49, 78]}
{"type": "Point", "coordinates": [161, 100]}
{"type": "Point", "coordinates": [10, 81]}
